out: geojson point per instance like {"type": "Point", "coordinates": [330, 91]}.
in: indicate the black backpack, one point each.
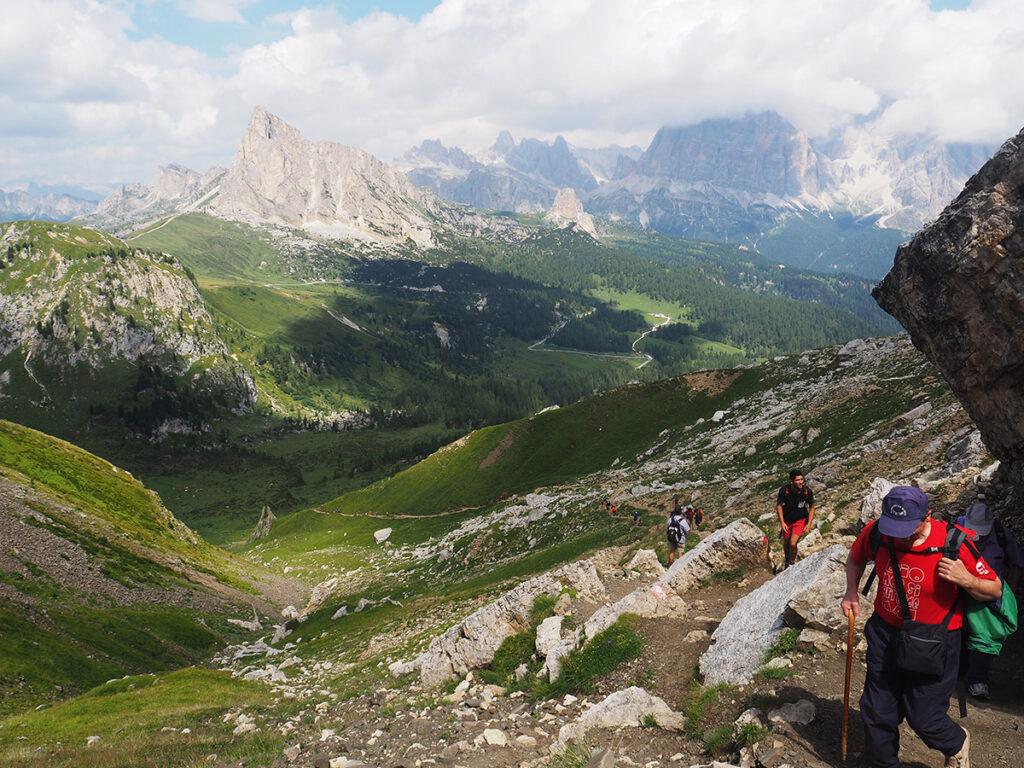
{"type": "Point", "coordinates": [675, 530]}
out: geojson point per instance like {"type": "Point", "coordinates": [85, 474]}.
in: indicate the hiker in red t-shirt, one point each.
{"type": "Point", "coordinates": [932, 584]}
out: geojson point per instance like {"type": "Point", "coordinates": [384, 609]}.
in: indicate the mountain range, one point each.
{"type": "Point", "coordinates": [718, 179]}
{"type": "Point", "coordinates": [838, 203]}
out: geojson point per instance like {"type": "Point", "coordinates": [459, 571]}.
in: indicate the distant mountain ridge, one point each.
{"type": "Point", "coordinates": [282, 181]}
{"type": "Point", "coordinates": [719, 179]}
{"type": "Point", "coordinates": [42, 206]}
{"type": "Point", "coordinates": [838, 204]}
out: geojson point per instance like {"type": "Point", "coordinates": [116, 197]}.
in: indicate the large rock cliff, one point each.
{"type": "Point", "coordinates": [958, 288]}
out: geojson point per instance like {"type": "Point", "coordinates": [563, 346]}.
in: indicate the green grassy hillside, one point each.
{"type": "Point", "coordinates": [99, 579]}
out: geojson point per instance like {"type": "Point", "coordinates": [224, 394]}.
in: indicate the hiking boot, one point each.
{"type": "Point", "coordinates": [979, 690]}
{"type": "Point", "coordinates": [961, 759]}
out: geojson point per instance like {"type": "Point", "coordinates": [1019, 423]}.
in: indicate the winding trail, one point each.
{"type": "Point", "coordinates": [635, 355]}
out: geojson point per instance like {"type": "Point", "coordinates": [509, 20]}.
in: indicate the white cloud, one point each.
{"type": "Point", "coordinates": [214, 10]}
{"type": "Point", "coordinates": [596, 71]}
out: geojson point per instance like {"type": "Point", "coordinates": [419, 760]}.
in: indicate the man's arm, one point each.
{"type": "Point", "coordinates": [851, 600]}
{"type": "Point", "coordinates": [810, 516]}
{"type": "Point", "coordinates": [956, 572]}
{"type": "Point", "coordinates": [782, 520]}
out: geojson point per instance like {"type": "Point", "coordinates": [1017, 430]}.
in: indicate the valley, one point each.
{"type": "Point", "coordinates": [468, 426]}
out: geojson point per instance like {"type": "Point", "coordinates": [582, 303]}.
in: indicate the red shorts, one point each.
{"type": "Point", "coordinates": [796, 529]}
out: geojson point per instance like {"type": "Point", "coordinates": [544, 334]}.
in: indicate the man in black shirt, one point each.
{"type": "Point", "coordinates": [795, 507]}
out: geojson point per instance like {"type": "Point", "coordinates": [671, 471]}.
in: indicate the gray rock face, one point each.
{"type": "Point", "coordinates": [739, 543]}
{"type": "Point", "coordinates": [471, 643]}
{"type": "Point", "coordinates": [958, 288]}
{"type": "Point", "coordinates": [755, 621]}
{"type": "Point", "coordinates": [871, 504]}
{"type": "Point", "coordinates": [628, 707]}
{"type": "Point", "coordinates": [323, 187]}
{"type": "Point", "coordinates": [262, 528]}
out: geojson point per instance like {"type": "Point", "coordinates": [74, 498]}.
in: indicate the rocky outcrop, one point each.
{"type": "Point", "coordinates": [85, 300]}
{"type": "Point", "coordinates": [739, 543]}
{"type": "Point", "coordinates": [567, 210]}
{"type": "Point", "coordinates": [471, 643]}
{"type": "Point", "coordinates": [739, 643]}
{"type": "Point", "coordinates": [625, 708]}
{"type": "Point", "coordinates": [958, 288]}
{"type": "Point", "coordinates": [322, 187]}
{"type": "Point", "coordinates": [262, 527]}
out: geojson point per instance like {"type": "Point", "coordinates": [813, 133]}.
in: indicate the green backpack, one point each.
{"type": "Point", "coordinates": [989, 624]}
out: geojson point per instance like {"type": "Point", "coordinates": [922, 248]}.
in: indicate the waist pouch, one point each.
{"type": "Point", "coordinates": [922, 648]}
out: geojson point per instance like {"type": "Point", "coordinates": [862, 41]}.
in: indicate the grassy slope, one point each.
{"type": "Point", "coordinates": [56, 640]}
{"type": "Point", "coordinates": [547, 449]}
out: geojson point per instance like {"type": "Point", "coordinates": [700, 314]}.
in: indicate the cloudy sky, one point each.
{"type": "Point", "coordinates": [96, 92]}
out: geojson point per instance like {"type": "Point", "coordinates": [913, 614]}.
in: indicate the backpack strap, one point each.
{"type": "Point", "coordinates": [874, 541]}
{"type": "Point", "coordinates": [902, 593]}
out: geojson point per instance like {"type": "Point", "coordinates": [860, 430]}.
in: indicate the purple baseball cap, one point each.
{"type": "Point", "coordinates": [903, 508]}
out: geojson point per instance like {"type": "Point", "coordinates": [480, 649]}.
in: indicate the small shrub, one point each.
{"type": "Point", "coordinates": [750, 734]}
{"type": "Point", "coordinates": [575, 755]}
{"type": "Point", "coordinates": [785, 643]}
{"type": "Point", "coordinates": [602, 654]}
{"type": "Point", "coordinates": [720, 741]}
{"type": "Point", "coordinates": [649, 721]}
{"type": "Point", "coordinates": [774, 673]}
{"type": "Point", "coordinates": [699, 702]}
{"type": "Point", "coordinates": [542, 607]}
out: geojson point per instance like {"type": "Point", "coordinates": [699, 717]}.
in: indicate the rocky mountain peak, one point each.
{"type": "Point", "coordinates": [568, 210]}
{"type": "Point", "coordinates": [503, 143]}
{"type": "Point", "coordinates": [326, 188]}
{"type": "Point", "coordinates": [761, 153]}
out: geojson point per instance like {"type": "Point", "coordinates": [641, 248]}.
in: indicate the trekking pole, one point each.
{"type": "Point", "coordinates": [849, 674]}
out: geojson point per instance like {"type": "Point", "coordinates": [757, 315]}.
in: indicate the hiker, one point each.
{"type": "Point", "coordinates": [795, 508]}
{"type": "Point", "coordinates": [636, 517]}
{"type": "Point", "coordinates": [903, 679]}
{"type": "Point", "coordinates": [698, 517]}
{"type": "Point", "coordinates": [1001, 551]}
{"type": "Point", "coordinates": [676, 530]}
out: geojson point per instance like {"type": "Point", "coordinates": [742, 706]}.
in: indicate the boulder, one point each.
{"type": "Point", "coordinates": [471, 643]}
{"type": "Point", "coordinates": [801, 712]}
{"type": "Point", "coordinates": [871, 504]}
{"type": "Point", "coordinates": [816, 606]}
{"type": "Point", "coordinates": [549, 634]}
{"type": "Point", "coordinates": [646, 562]}
{"type": "Point", "coordinates": [382, 535]}
{"type": "Point", "coordinates": [739, 543]}
{"type": "Point", "coordinates": [628, 707]}
{"type": "Point", "coordinates": [750, 627]}
{"type": "Point", "coordinates": [958, 288]}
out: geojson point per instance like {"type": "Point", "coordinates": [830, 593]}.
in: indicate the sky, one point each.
{"type": "Point", "coordinates": [99, 92]}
